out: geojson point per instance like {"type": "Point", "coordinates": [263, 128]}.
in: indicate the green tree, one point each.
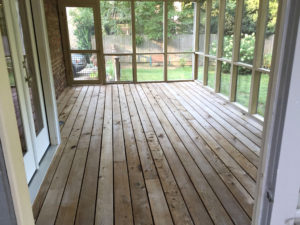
{"type": "Point", "coordinates": [113, 14]}
{"type": "Point", "coordinates": [149, 19]}
{"type": "Point", "coordinates": [83, 22]}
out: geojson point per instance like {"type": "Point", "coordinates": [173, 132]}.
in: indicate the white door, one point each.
{"type": "Point", "coordinates": [27, 82]}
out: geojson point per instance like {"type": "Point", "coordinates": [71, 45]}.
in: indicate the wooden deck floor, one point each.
{"type": "Point", "coordinates": [168, 153]}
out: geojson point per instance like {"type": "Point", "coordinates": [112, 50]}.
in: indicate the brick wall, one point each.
{"type": "Point", "coordinates": [55, 43]}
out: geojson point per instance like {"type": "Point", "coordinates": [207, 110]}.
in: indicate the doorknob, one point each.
{"type": "Point", "coordinates": [28, 77]}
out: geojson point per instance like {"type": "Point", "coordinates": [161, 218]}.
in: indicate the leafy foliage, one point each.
{"type": "Point", "coordinates": [114, 14]}
{"type": "Point", "coordinates": [83, 22]}
{"type": "Point", "coordinates": [149, 22]}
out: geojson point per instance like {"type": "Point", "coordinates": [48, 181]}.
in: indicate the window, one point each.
{"type": "Point", "coordinates": [180, 35]}
{"type": "Point", "coordinates": [116, 26]}
{"type": "Point", "coordinates": [150, 67]}
{"type": "Point", "coordinates": [247, 42]}
{"type": "Point", "coordinates": [269, 34]}
{"type": "Point", "coordinates": [180, 67]}
{"type": "Point", "coordinates": [141, 40]}
{"type": "Point", "coordinates": [211, 73]}
{"type": "Point", "coordinates": [243, 86]}
{"type": "Point", "coordinates": [149, 26]}
{"type": "Point", "coordinates": [118, 68]}
{"type": "Point", "coordinates": [200, 67]}
{"type": "Point", "coordinates": [229, 29]}
{"type": "Point", "coordinates": [225, 78]}
{"type": "Point", "coordinates": [214, 16]}
{"type": "Point", "coordinates": [263, 93]}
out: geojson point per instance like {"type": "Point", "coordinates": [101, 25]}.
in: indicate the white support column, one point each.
{"type": "Point", "coordinates": [278, 174]}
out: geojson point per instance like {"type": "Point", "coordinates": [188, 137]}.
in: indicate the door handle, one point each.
{"type": "Point", "coordinates": [28, 77]}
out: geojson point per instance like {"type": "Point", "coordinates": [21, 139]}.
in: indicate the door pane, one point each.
{"type": "Point", "coordinates": [81, 28]}
{"type": "Point", "coordinates": [116, 26]}
{"type": "Point", "coordinates": [12, 78]}
{"type": "Point", "coordinates": [84, 66]}
{"type": "Point", "coordinates": [30, 67]}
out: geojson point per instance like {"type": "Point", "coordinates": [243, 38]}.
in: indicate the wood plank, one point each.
{"type": "Point", "coordinates": [52, 201]}
{"type": "Point", "coordinates": [159, 207]}
{"type": "Point", "coordinates": [154, 153]}
{"type": "Point", "coordinates": [68, 207]}
{"type": "Point", "coordinates": [66, 130]}
{"type": "Point", "coordinates": [122, 198]}
{"type": "Point", "coordinates": [225, 138]}
{"type": "Point", "coordinates": [230, 141]}
{"type": "Point", "coordinates": [234, 128]}
{"type": "Point", "coordinates": [208, 133]}
{"type": "Point", "coordinates": [105, 201]}
{"type": "Point", "coordinates": [227, 104]}
{"type": "Point", "coordinates": [213, 100]}
{"type": "Point", "coordinates": [140, 202]}
{"type": "Point", "coordinates": [168, 137]}
{"type": "Point", "coordinates": [203, 155]}
{"type": "Point", "coordinates": [63, 116]}
{"type": "Point", "coordinates": [158, 140]}
{"type": "Point", "coordinates": [87, 202]}
{"type": "Point", "coordinates": [247, 129]}
{"type": "Point", "coordinates": [55, 162]}
{"type": "Point", "coordinates": [64, 98]}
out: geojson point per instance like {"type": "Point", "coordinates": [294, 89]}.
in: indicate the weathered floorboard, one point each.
{"type": "Point", "coordinates": [156, 153]}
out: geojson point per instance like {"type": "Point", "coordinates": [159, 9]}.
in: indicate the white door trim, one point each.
{"type": "Point", "coordinates": [40, 24]}
{"type": "Point", "coordinates": [12, 148]}
{"type": "Point", "coordinates": [25, 108]}
{"type": "Point", "coordinates": [8, 125]}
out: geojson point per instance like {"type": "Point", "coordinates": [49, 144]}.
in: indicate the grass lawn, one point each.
{"type": "Point", "coordinates": [185, 73]}
{"type": "Point", "coordinates": [157, 74]}
{"type": "Point", "coordinates": [243, 90]}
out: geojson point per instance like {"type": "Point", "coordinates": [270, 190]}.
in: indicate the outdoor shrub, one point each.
{"type": "Point", "coordinates": [182, 62]}
{"type": "Point", "coordinates": [246, 50]}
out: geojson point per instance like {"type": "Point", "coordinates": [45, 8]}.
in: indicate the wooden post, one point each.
{"type": "Point", "coordinates": [117, 68]}
{"type": "Point", "coordinates": [134, 69]}
{"type": "Point", "coordinates": [196, 38]}
{"type": "Point", "coordinates": [165, 37]}
{"type": "Point", "coordinates": [221, 21]}
{"type": "Point", "coordinates": [207, 40]}
{"type": "Point", "coordinates": [258, 53]}
{"type": "Point", "coordinates": [236, 48]}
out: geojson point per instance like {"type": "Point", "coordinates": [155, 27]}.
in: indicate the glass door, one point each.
{"type": "Point", "coordinates": [82, 44]}
{"type": "Point", "coordinates": [31, 73]}
{"type": "Point", "coordinates": [23, 66]}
